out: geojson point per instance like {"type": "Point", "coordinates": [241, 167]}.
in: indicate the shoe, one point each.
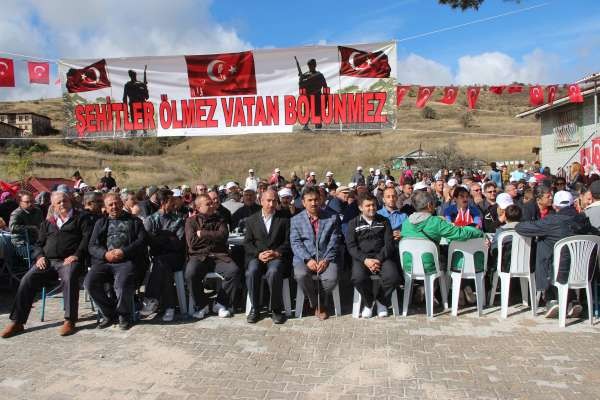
{"type": "Point", "coordinates": [12, 329]}
{"type": "Point", "coordinates": [469, 295]}
{"type": "Point", "coordinates": [201, 314]}
{"type": "Point", "coordinates": [367, 312]}
{"type": "Point", "coordinates": [68, 328]}
{"type": "Point", "coordinates": [169, 315]}
{"type": "Point", "coordinates": [105, 323]}
{"type": "Point", "coordinates": [321, 313]}
{"type": "Point", "coordinates": [124, 323]}
{"type": "Point", "coordinates": [574, 310]}
{"type": "Point", "coordinates": [382, 311]}
{"type": "Point", "coordinates": [551, 309]}
{"type": "Point", "coordinates": [278, 317]}
{"type": "Point", "coordinates": [221, 310]}
{"type": "Point", "coordinates": [307, 309]}
{"type": "Point", "coordinates": [253, 316]}
{"type": "Point", "coordinates": [150, 307]}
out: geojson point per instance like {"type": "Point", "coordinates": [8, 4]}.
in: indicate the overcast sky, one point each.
{"type": "Point", "coordinates": [558, 41]}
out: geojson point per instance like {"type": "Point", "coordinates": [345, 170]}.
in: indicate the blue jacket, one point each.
{"type": "Point", "coordinates": [302, 237]}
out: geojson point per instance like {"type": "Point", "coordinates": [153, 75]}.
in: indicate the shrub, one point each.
{"type": "Point", "coordinates": [429, 113]}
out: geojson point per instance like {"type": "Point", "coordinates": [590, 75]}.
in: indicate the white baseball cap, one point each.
{"type": "Point", "coordinates": [329, 173]}
{"type": "Point", "coordinates": [313, 174]}
{"type": "Point", "coordinates": [249, 189]}
{"type": "Point", "coordinates": [285, 192]}
{"type": "Point", "coordinates": [359, 168]}
{"type": "Point", "coordinates": [371, 169]}
{"type": "Point", "coordinates": [250, 170]}
{"type": "Point", "coordinates": [230, 185]}
{"type": "Point", "coordinates": [420, 186]}
{"type": "Point", "coordinates": [377, 172]}
{"type": "Point", "coordinates": [504, 200]}
{"type": "Point", "coordinates": [277, 170]}
{"type": "Point", "coordinates": [562, 199]}
{"type": "Point", "coordinates": [452, 182]}
{"type": "Point", "coordinates": [107, 169]}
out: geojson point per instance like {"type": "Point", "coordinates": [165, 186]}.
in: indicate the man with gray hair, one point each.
{"type": "Point", "coordinates": [58, 253]}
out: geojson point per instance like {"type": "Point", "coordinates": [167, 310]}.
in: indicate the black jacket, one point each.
{"type": "Point", "coordinates": [136, 244]}
{"type": "Point", "coordinates": [147, 208]}
{"type": "Point", "coordinates": [238, 219]}
{"type": "Point", "coordinates": [71, 239]}
{"type": "Point", "coordinates": [374, 241]}
{"type": "Point", "coordinates": [567, 222]}
{"type": "Point", "coordinates": [258, 240]}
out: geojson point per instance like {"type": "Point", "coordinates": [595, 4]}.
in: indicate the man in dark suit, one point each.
{"type": "Point", "coordinates": [267, 249]}
{"type": "Point", "coordinates": [314, 238]}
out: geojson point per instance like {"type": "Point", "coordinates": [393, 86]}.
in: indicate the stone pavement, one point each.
{"type": "Point", "coordinates": [342, 358]}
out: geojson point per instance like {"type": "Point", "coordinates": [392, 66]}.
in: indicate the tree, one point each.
{"type": "Point", "coordinates": [19, 163]}
{"type": "Point", "coordinates": [466, 4]}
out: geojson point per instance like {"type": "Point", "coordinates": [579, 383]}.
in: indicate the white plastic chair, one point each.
{"type": "Point", "coordinates": [581, 250]}
{"type": "Point", "coordinates": [192, 302]}
{"type": "Point", "coordinates": [336, 300]}
{"type": "Point", "coordinates": [287, 298]}
{"type": "Point", "coordinates": [418, 247]}
{"type": "Point", "coordinates": [468, 248]}
{"type": "Point", "coordinates": [357, 301]}
{"type": "Point", "coordinates": [520, 251]}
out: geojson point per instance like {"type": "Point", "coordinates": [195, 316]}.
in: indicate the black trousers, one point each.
{"type": "Point", "coordinates": [160, 282]}
{"type": "Point", "coordinates": [122, 277]}
{"type": "Point", "coordinates": [196, 270]}
{"type": "Point", "coordinates": [390, 279]}
{"type": "Point", "coordinates": [33, 281]}
{"type": "Point", "coordinates": [275, 271]}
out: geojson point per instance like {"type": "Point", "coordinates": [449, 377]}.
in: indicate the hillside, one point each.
{"type": "Point", "coordinates": [216, 159]}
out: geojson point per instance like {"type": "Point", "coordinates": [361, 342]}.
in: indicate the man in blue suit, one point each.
{"type": "Point", "coordinates": [314, 235]}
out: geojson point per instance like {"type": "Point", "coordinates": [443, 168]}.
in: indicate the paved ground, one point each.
{"type": "Point", "coordinates": [342, 358]}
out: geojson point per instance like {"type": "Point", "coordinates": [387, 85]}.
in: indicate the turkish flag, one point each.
{"type": "Point", "coordinates": [423, 95]}
{"type": "Point", "coordinates": [400, 93]}
{"type": "Point", "coordinates": [226, 74]}
{"type": "Point", "coordinates": [450, 94]}
{"type": "Point", "coordinates": [7, 187]}
{"type": "Point", "coordinates": [514, 89]}
{"type": "Point", "coordinates": [575, 94]}
{"type": "Point", "coordinates": [585, 157]}
{"type": "Point", "coordinates": [497, 89]}
{"type": "Point", "coordinates": [596, 152]}
{"type": "Point", "coordinates": [363, 64]}
{"type": "Point", "coordinates": [472, 95]}
{"type": "Point", "coordinates": [551, 92]}
{"type": "Point", "coordinates": [86, 79]}
{"type": "Point", "coordinates": [536, 95]}
{"type": "Point", "coordinates": [39, 72]}
{"type": "Point", "coordinates": [7, 72]}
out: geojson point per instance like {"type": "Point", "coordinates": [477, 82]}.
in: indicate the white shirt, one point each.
{"type": "Point", "coordinates": [60, 222]}
{"type": "Point", "coordinates": [267, 219]}
{"type": "Point", "coordinates": [252, 182]}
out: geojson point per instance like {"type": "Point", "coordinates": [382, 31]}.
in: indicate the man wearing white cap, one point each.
{"type": "Point", "coordinates": [286, 204]}
{"type": "Point", "coordinates": [371, 180]}
{"type": "Point", "coordinates": [252, 180]}
{"type": "Point", "coordinates": [233, 202]}
{"type": "Point", "coordinates": [276, 178]}
{"type": "Point", "coordinates": [566, 222]}
{"type": "Point", "coordinates": [358, 176]}
{"type": "Point", "coordinates": [330, 183]}
{"type": "Point", "coordinates": [107, 181]}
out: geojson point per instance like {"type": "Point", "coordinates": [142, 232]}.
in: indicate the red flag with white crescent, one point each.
{"type": "Point", "coordinates": [450, 94]}
{"type": "Point", "coordinates": [575, 93]}
{"type": "Point", "coordinates": [536, 95]}
{"type": "Point", "coordinates": [39, 72]}
{"type": "Point", "coordinates": [551, 93]}
{"type": "Point", "coordinates": [400, 93]}
{"type": "Point", "coordinates": [585, 157]}
{"type": "Point", "coordinates": [86, 79]}
{"type": "Point", "coordinates": [472, 96]}
{"type": "Point", "coordinates": [514, 89]}
{"type": "Point", "coordinates": [423, 95]}
{"type": "Point", "coordinates": [497, 89]}
{"type": "Point", "coordinates": [226, 74]}
{"type": "Point", "coordinates": [363, 64]}
{"type": "Point", "coordinates": [7, 72]}
{"type": "Point", "coordinates": [596, 152]}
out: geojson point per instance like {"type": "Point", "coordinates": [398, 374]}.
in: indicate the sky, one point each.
{"type": "Point", "coordinates": [530, 41]}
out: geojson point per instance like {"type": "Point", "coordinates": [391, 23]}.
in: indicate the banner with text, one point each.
{"type": "Point", "coordinates": [330, 88]}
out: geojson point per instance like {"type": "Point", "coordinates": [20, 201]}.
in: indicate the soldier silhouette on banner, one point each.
{"type": "Point", "coordinates": [312, 82]}
{"type": "Point", "coordinates": [135, 92]}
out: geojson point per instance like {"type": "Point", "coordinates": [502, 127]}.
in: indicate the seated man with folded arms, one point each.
{"type": "Point", "coordinates": [167, 246]}
{"type": "Point", "coordinates": [370, 242]}
{"type": "Point", "coordinates": [314, 237]}
{"type": "Point", "coordinates": [117, 247]}
{"type": "Point", "coordinates": [58, 253]}
{"type": "Point", "coordinates": [206, 236]}
{"type": "Point", "coordinates": [267, 245]}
